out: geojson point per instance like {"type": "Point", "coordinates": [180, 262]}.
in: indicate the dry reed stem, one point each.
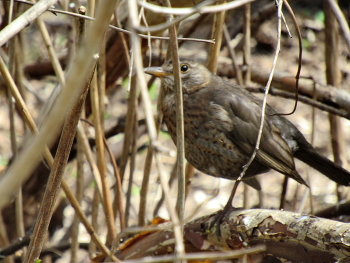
{"type": "Point", "coordinates": [162, 198]}
{"type": "Point", "coordinates": [149, 117]}
{"type": "Point", "coordinates": [53, 185]}
{"type": "Point", "coordinates": [129, 138]}
{"type": "Point", "coordinates": [246, 73]}
{"type": "Point", "coordinates": [199, 257]}
{"type": "Point", "coordinates": [344, 26]}
{"type": "Point", "coordinates": [238, 71]}
{"type": "Point", "coordinates": [52, 54]}
{"type": "Point", "coordinates": [96, 199]}
{"type": "Point", "coordinates": [333, 78]}
{"type": "Point", "coordinates": [79, 192]}
{"type": "Point", "coordinates": [173, 47]}
{"type": "Point", "coordinates": [31, 155]}
{"type": "Point", "coordinates": [147, 166]}
{"type": "Point", "coordinates": [4, 241]}
{"type": "Point", "coordinates": [97, 95]}
{"type": "Point", "coordinates": [132, 107]}
{"type": "Point", "coordinates": [217, 33]}
{"type": "Point", "coordinates": [72, 82]}
{"type": "Point", "coordinates": [118, 206]}
{"type": "Point", "coordinates": [119, 27]}
{"type": "Point", "coordinates": [150, 148]}
{"type": "Point", "coordinates": [17, 73]}
{"type": "Point", "coordinates": [101, 162]}
{"type": "Point", "coordinates": [246, 44]}
{"type": "Point", "coordinates": [138, 66]}
{"type": "Point", "coordinates": [76, 34]}
{"type": "Point", "coordinates": [90, 158]}
{"type": "Point", "coordinates": [24, 20]}
{"type": "Point", "coordinates": [200, 8]}
{"type": "Point", "coordinates": [18, 197]}
{"type": "Point", "coordinates": [103, 249]}
{"type": "Point", "coordinates": [133, 152]}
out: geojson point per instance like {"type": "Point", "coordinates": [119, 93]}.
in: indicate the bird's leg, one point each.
{"type": "Point", "coordinates": [219, 217]}
{"type": "Point", "coordinates": [284, 192]}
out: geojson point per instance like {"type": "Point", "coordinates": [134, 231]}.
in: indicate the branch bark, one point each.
{"type": "Point", "coordinates": [296, 237]}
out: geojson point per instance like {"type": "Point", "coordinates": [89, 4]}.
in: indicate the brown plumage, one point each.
{"type": "Point", "coordinates": [221, 123]}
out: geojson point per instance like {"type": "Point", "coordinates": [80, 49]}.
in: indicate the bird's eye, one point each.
{"type": "Point", "coordinates": [184, 68]}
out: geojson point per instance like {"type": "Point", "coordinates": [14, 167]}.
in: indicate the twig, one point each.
{"type": "Point", "coordinates": [135, 39]}
{"type": "Point", "coordinates": [15, 67]}
{"type": "Point", "coordinates": [148, 109]}
{"type": "Point", "coordinates": [136, 49]}
{"type": "Point", "coordinates": [90, 158]}
{"type": "Point", "coordinates": [333, 78]}
{"type": "Point", "coordinates": [262, 120]}
{"type": "Point", "coordinates": [247, 67]}
{"type": "Point", "coordinates": [297, 76]}
{"type": "Point", "coordinates": [341, 21]}
{"type": "Point", "coordinates": [95, 210]}
{"type": "Point", "coordinates": [233, 56]}
{"type": "Point", "coordinates": [48, 157]}
{"type": "Point", "coordinates": [79, 191]}
{"type": "Point", "coordinates": [144, 187]}
{"type": "Point", "coordinates": [132, 167]}
{"type": "Point", "coordinates": [308, 190]}
{"type": "Point", "coordinates": [202, 9]}
{"type": "Point", "coordinates": [124, 41]}
{"type": "Point", "coordinates": [77, 31]}
{"type": "Point", "coordinates": [161, 200]}
{"type": "Point", "coordinates": [118, 188]}
{"type": "Point", "coordinates": [11, 111]}
{"type": "Point", "coordinates": [105, 251]}
{"type": "Point", "coordinates": [211, 41]}
{"type": "Point", "coordinates": [132, 104]}
{"type": "Point", "coordinates": [178, 230]}
{"type": "Point", "coordinates": [23, 20]}
{"type": "Point", "coordinates": [4, 237]}
{"type": "Point", "coordinates": [31, 155]}
{"type": "Point", "coordinates": [246, 44]}
{"type": "Point", "coordinates": [118, 197]}
{"type": "Point", "coordinates": [202, 256]}
{"type": "Point", "coordinates": [217, 29]}
{"type": "Point", "coordinates": [180, 143]}
{"type": "Point", "coordinates": [55, 178]}
{"type": "Point", "coordinates": [48, 44]}
{"type": "Point", "coordinates": [304, 99]}
{"type": "Point", "coordinates": [147, 168]}
{"type": "Point", "coordinates": [133, 149]}
{"type": "Point", "coordinates": [101, 162]}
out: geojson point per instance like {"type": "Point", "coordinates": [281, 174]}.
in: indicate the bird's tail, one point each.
{"type": "Point", "coordinates": [322, 164]}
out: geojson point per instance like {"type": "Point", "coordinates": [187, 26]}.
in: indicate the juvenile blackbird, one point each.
{"type": "Point", "coordinates": [221, 122]}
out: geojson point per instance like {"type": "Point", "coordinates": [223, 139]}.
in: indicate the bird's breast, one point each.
{"type": "Point", "coordinates": [206, 145]}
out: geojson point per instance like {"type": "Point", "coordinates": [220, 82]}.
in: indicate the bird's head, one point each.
{"type": "Point", "coordinates": [193, 75]}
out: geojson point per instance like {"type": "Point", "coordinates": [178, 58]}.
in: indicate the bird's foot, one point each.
{"type": "Point", "coordinates": [215, 225]}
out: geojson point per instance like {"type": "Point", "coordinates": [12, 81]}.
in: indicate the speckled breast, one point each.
{"type": "Point", "coordinates": [206, 146]}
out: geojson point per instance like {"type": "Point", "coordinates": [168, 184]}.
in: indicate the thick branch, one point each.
{"type": "Point", "coordinates": [296, 237]}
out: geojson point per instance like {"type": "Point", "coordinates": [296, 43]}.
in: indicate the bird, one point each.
{"type": "Point", "coordinates": [221, 124]}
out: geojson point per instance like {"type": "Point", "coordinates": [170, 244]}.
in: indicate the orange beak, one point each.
{"type": "Point", "coordinates": [157, 72]}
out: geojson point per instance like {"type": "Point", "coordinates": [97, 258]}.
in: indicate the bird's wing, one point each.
{"type": "Point", "coordinates": [245, 113]}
